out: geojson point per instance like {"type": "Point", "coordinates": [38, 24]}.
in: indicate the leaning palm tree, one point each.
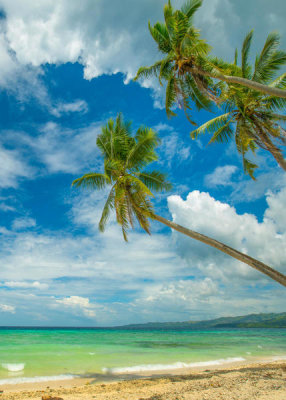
{"type": "Point", "coordinates": [252, 118]}
{"type": "Point", "coordinates": [187, 67]}
{"type": "Point", "coordinates": [126, 157]}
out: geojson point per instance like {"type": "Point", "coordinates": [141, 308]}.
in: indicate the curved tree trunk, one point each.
{"type": "Point", "coordinates": [271, 91]}
{"type": "Point", "coordinates": [274, 150]}
{"type": "Point", "coordinates": [265, 269]}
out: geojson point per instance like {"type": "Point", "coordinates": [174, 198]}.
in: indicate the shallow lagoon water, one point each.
{"type": "Point", "coordinates": [29, 353]}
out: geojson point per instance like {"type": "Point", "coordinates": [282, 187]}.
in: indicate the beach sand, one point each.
{"type": "Point", "coordinates": [259, 381]}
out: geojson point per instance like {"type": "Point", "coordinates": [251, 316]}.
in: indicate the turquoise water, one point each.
{"type": "Point", "coordinates": [30, 353]}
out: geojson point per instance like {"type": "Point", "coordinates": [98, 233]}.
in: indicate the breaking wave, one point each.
{"type": "Point", "coordinates": [13, 381]}
{"type": "Point", "coordinates": [177, 365]}
{"type": "Point", "coordinates": [13, 367]}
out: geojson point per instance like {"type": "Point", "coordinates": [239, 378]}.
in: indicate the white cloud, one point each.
{"type": "Point", "coordinates": [103, 40]}
{"type": "Point", "coordinates": [108, 40]}
{"type": "Point", "coordinates": [276, 209]}
{"type": "Point", "coordinates": [25, 285]}
{"type": "Point", "coordinates": [77, 106]}
{"type": "Point", "coordinates": [247, 191]}
{"type": "Point", "coordinates": [221, 176]}
{"type": "Point", "coordinates": [61, 149]}
{"type": "Point", "coordinates": [7, 309]}
{"type": "Point", "coordinates": [13, 168]}
{"type": "Point", "coordinates": [116, 39]}
{"type": "Point", "coordinates": [227, 22]}
{"type": "Point", "coordinates": [7, 63]}
{"type": "Point", "coordinates": [172, 148]}
{"type": "Point", "coordinates": [23, 223]}
{"type": "Point", "coordinates": [77, 303]}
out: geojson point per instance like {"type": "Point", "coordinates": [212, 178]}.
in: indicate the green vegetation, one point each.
{"type": "Point", "coordinates": [250, 99]}
{"type": "Point", "coordinates": [126, 157]}
{"type": "Point", "coordinates": [271, 320]}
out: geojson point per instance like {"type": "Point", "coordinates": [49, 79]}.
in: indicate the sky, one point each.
{"type": "Point", "coordinates": [66, 68]}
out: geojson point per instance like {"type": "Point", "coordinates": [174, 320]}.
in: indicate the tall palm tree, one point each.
{"type": "Point", "coordinates": [125, 158]}
{"type": "Point", "coordinates": [187, 67]}
{"type": "Point", "coordinates": [251, 117]}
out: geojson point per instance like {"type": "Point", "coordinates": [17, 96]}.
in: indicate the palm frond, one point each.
{"type": "Point", "coordinates": [280, 82]}
{"type": "Point", "coordinates": [245, 54]}
{"type": "Point", "coordinates": [180, 28]}
{"type": "Point", "coordinates": [269, 59]}
{"type": "Point", "coordinates": [161, 36]}
{"type": "Point", "coordinates": [201, 101]}
{"type": "Point", "coordinates": [212, 126]}
{"type": "Point", "coordinates": [275, 103]}
{"type": "Point", "coordinates": [92, 180]}
{"type": "Point", "coordinates": [235, 57]}
{"type": "Point", "coordinates": [142, 152]}
{"type": "Point", "coordinates": [148, 72]}
{"type": "Point", "coordinates": [165, 68]}
{"type": "Point", "coordinates": [278, 117]}
{"type": "Point", "coordinates": [155, 180]}
{"type": "Point", "coordinates": [109, 205]}
{"type": "Point", "coordinates": [249, 167]}
{"type": "Point", "coordinates": [121, 209]}
{"type": "Point", "coordinates": [168, 16]}
{"type": "Point", "coordinates": [137, 185]}
{"type": "Point", "coordinates": [171, 96]}
{"type": "Point", "coordinates": [190, 7]}
{"type": "Point", "coordinates": [223, 134]}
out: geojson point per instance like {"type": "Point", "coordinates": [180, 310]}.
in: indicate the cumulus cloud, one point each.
{"type": "Point", "coordinates": [116, 39]}
{"type": "Point", "coordinates": [103, 40]}
{"type": "Point", "coordinates": [77, 303]}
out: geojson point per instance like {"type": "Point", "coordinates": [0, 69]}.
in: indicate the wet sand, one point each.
{"type": "Point", "coordinates": [258, 381]}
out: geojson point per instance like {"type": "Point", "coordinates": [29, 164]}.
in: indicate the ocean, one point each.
{"type": "Point", "coordinates": [30, 355]}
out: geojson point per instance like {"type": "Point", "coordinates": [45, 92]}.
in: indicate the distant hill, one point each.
{"type": "Point", "coordinates": [272, 320]}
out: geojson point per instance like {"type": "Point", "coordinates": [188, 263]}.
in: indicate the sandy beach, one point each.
{"type": "Point", "coordinates": [263, 381]}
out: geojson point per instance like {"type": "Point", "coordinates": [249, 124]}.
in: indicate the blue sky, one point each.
{"type": "Point", "coordinates": [65, 71]}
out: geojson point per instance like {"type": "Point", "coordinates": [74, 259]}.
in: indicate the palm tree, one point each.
{"type": "Point", "coordinates": [126, 157]}
{"type": "Point", "coordinates": [187, 67]}
{"type": "Point", "coordinates": [251, 117]}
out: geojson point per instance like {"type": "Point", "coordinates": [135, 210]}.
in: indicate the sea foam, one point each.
{"type": "Point", "coordinates": [13, 381]}
{"type": "Point", "coordinates": [13, 367]}
{"type": "Point", "coordinates": [177, 365]}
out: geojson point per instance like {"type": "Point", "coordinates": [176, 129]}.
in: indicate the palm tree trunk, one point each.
{"type": "Point", "coordinates": [265, 269]}
{"type": "Point", "coordinates": [271, 91]}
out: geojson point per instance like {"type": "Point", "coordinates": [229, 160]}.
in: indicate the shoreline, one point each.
{"type": "Point", "coordinates": [87, 387]}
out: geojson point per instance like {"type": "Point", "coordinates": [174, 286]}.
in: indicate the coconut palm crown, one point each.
{"type": "Point", "coordinates": [252, 118]}
{"type": "Point", "coordinates": [125, 158]}
{"type": "Point", "coordinates": [180, 43]}
{"type": "Point", "coordinates": [187, 67]}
